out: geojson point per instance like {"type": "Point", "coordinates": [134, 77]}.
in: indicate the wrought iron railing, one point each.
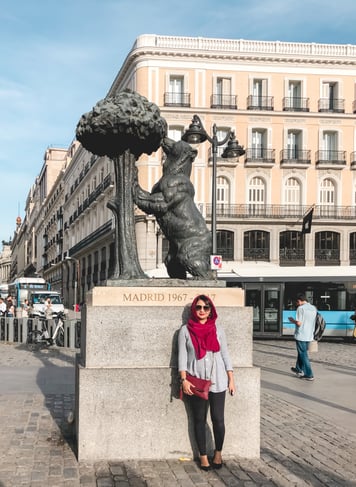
{"type": "Point", "coordinates": [295, 104]}
{"type": "Point", "coordinates": [176, 99]}
{"type": "Point", "coordinates": [260, 155]}
{"type": "Point", "coordinates": [256, 254]}
{"type": "Point", "coordinates": [353, 159]}
{"type": "Point", "coordinates": [260, 102]}
{"type": "Point", "coordinates": [327, 256]}
{"type": "Point", "coordinates": [335, 105]}
{"type": "Point", "coordinates": [286, 212]}
{"type": "Point", "coordinates": [295, 156]}
{"type": "Point", "coordinates": [334, 157]}
{"type": "Point", "coordinates": [227, 102]}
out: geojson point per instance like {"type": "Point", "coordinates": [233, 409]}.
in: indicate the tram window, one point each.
{"type": "Point", "coordinates": [328, 296]}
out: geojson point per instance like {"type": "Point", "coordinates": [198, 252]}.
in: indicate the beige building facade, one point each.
{"type": "Point", "coordinates": [291, 105]}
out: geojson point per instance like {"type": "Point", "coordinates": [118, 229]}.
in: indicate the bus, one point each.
{"type": "Point", "coordinates": [21, 287]}
{"type": "Point", "coordinates": [4, 291]}
{"type": "Point", "coordinates": [271, 292]}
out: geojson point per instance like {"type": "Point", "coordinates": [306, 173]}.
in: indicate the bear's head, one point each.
{"type": "Point", "coordinates": [180, 157]}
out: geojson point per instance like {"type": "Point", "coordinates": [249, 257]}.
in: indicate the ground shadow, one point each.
{"type": "Point", "coordinates": [57, 385]}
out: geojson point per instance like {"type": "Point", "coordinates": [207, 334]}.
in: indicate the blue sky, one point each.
{"type": "Point", "coordinates": [58, 58]}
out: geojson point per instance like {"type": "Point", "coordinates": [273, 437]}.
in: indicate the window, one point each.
{"type": "Point", "coordinates": [327, 248]}
{"type": "Point", "coordinates": [294, 144]}
{"type": "Point", "coordinates": [225, 244]}
{"type": "Point", "coordinates": [221, 133]}
{"type": "Point", "coordinates": [330, 100]}
{"type": "Point", "coordinates": [222, 196]}
{"type": "Point", "coordinates": [256, 245]}
{"type": "Point", "coordinates": [175, 133]}
{"type": "Point", "coordinates": [175, 95]}
{"type": "Point", "coordinates": [295, 94]}
{"type": "Point", "coordinates": [223, 87]}
{"type": "Point", "coordinates": [329, 97]}
{"type": "Point", "coordinates": [222, 191]}
{"type": "Point", "coordinates": [259, 90]}
{"type": "Point", "coordinates": [259, 143]}
{"type": "Point", "coordinates": [256, 191]}
{"type": "Point", "coordinates": [330, 145]}
{"type": "Point", "coordinates": [222, 94]}
{"type": "Point", "coordinates": [352, 248]}
{"type": "Point", "coordinates": [292, 192]}
{"type": "Point", "coordinates": [327, 193]}
{"type": "Point", "coordinates": [259, 99]}
{"type": "Point", "coordinates": [291, 248]}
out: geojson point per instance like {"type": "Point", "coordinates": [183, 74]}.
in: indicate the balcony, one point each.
{"type": "Point", "coordinates": [223, 102]}
{"type": "Point", "coordinates": [330, 158]}
{"type": "Point", "coordinates": [259, 156]}
{"type": "Point", "coordinates": [353, 160]}
{"type": "Point", "coordinates": [260, 103]}
{"type": "Point", "coordinates": [295, 157]}
{"type": "Point", "coordinates": [282, 212]}
{"type": "Point", "coordinates": [176, 99]}
{"type": "Point", "coordinates": [328, 105]}
{"type": "Point", "coordinates": [295, 104]}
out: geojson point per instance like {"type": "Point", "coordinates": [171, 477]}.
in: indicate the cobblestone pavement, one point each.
{"type": "Point", "coordinates": [37, 447]}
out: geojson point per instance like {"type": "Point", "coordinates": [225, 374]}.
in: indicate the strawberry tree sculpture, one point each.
{"type": "Point", "coordinates": [122, 127]}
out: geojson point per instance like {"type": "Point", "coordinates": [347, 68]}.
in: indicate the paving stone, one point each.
{"type": "Point", "coordinates": [37, 447]}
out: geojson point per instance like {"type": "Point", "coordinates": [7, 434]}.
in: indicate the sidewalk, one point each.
{"type": "Point", "coordinates": [305, 437]}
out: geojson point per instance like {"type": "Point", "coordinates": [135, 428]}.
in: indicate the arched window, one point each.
{"type": "Point", "coordinates": [327, 192]}
{"type": "Point", "coordinates": [327, 197]}
{"type": "Point", "coordinates": [352, 248]}
{"type": "Point", "coordinates": [292, 192]}
{"type": "Point", "coordinates": [222, 191]}
{"type": "Point", "coordinates": [256, 191]}
{"type": "Point", "coordinates": [222, 196]}
{"type": "Point", "coordinates": [291, 248]}
{"type": "Point", "coordinates": [256, 196]}
{"type": "Point", "coordinates": [256, 245]}
{"type": "Point", "coordinates": [225, 244]}
{"type": "Point", "coordinates": [327, 248]}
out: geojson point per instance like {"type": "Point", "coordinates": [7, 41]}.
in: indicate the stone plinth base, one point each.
{"type": "Point", "coordinates": [127, 404]}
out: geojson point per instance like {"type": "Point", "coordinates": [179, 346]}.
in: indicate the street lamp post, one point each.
{"type": "Point", "coordinates": [197, 134]}
{"type": "Point", "coordinates": [77, 277]}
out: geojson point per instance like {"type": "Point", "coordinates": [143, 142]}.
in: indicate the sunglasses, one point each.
{"type": "Point", "coordinates": [199, 307]}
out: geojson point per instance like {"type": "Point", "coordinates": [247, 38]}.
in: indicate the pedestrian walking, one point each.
{"type": "Point", "coordinates": [304, 334]}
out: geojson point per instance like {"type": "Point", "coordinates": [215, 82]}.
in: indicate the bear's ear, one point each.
{"type": "Point", "coordinates": [194, 153]}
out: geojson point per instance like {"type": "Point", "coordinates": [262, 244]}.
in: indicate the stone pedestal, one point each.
{"type": "Point", "coordinates": [127, 404]}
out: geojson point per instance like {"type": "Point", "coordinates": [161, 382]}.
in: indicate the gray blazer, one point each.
{"type": "Point", "coordinates": [213, 366]}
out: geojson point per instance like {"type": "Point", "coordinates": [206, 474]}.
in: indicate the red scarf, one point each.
{"type": "Point", "coordinates": [203, 336]}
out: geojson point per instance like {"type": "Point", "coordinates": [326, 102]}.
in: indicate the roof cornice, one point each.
{"type": "Point", "coordinates": [236, 50]}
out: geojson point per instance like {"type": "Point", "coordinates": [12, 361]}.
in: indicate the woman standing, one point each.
{"type": "Point", "coordinates": [202, 352]}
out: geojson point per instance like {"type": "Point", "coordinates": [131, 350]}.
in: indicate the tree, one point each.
{"type": "Point", "coordinates": [123, 127]}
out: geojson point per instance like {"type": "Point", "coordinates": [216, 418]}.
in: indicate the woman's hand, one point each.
{"type": "Point", "coordinates": [187, 387]}
{"type": "Point", "coordinates": [231, 383]}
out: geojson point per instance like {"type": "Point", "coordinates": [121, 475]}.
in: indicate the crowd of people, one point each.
{"type": "Point", "coordinates": [8, 307]}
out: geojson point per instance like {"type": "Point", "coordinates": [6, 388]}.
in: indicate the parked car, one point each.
{"type": "Point", "coordinates": [37, 304]}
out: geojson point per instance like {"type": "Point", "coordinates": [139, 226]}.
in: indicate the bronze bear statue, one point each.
{"type": "Point", "coordinates": [171, 201]}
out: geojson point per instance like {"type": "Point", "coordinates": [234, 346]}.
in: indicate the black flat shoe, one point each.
{"type": "Point", "coordinates": [217, 466]}
{"type": "Point", "coordinates": [206, 468]}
